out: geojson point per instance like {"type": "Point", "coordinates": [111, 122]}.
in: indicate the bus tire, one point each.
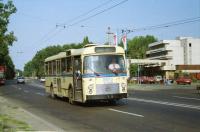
{"type": "Point", "coordinates": [70, 96]}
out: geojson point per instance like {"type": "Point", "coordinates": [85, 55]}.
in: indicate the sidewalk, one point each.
{"type": "Point", "coordinates": [14, 118]}
{"type": "Point", "coordinates": [151, 87]}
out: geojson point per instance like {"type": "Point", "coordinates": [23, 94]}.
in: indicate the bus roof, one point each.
{"type": "Point", "coordinates": [93, 49]}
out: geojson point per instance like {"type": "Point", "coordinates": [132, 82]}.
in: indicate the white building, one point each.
{"type": "Point", "coordinates": [182, 51]}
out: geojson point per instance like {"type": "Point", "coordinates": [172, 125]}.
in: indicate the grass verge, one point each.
{"type": "Point", "coordinates": [9, 124]}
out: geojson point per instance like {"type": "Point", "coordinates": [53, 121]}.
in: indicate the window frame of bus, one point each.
{"type": "Point", "coordinates": [66, 65]}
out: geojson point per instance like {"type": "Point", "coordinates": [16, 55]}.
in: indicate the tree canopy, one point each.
{"type": "Point", "coordinates": [6, 38]}
{"type": "Point", "coordinates": [35, 67]}
{"type": "Point", "coordinates": [138, 46]}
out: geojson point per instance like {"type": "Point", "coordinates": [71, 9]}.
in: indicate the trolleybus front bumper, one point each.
{"type": "Point", "coordinates": [106, 97]}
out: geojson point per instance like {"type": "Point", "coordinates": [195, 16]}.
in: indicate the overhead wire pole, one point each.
{"type": "Point", "coordinates": [109, 33]}
{"type": "Point", "coordinates": [124, 34]}
{"type": "Point", "coordinates": [124, 41]}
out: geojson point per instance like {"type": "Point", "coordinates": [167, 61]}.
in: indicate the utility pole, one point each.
{"type": "Point", "coordinates": [109, 33]}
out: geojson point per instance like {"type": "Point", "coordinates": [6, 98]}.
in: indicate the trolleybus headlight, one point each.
{"type": "Point", "coordinates": [90, 88]}
{"type": "Point", "coordinates": [123, 85]}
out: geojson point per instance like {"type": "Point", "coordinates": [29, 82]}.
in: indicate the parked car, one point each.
{"type": "Point", "coordinates": [183, 80]}
{"type": "Point", "coordinates": [151, 80]}
{"type": "Point", "coordinates": [158, 79]}
{"type": "Point", "coordinates": [20, 80]}
{"type": "Point", "coordinates": [2, 81]}
{"type": "Point", "coordinates": [143, 80]}
{"type": "Point", "coordinates": [42, 79]}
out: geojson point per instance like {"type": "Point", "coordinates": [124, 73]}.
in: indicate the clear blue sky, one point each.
{"type": "Point", "coordinates": [35, 22]}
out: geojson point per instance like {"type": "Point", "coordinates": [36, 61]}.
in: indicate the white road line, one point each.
{"type": "Point", "coordinates": [133, 114]}
{"type": "Point", "coordinates": [185, 98]}
{"type": "Point", "coordinates": [166, 103]}
{"type": "Point", "coordinates": [20, 88]}
{"type": "Point", "coordinates": [42, 94]}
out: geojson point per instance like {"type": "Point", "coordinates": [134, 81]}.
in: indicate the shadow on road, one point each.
{"type": "Point", "coordinates": [96, 103]}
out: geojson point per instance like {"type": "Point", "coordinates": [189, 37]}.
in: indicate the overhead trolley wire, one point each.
{"type": "Point", "coordinates": [89, 17]}
{"type": "Point", "coordinates": [88, 12]}
{"type": "Point", "coordinates": [165, 25]}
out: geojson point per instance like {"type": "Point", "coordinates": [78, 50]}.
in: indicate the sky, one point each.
{"type": "Point", "coordinates": [34, 23]}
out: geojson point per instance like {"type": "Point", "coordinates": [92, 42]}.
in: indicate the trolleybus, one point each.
{"type": "Point", "coordinates": [95, 72]}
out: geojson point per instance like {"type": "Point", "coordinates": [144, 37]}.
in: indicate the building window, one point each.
{"type": "Point", "coordinates": [190, 45]}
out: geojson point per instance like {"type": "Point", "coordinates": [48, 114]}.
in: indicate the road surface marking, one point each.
{"type": "Point", "coordinates": [166, 103]}
{"type": "Point", "coordinates": [26, 91]}
{"type": "Point", "coordinates": [42, 94]}
{"type": "Point", "coordinates": [20, 88]}
{"type": "Point", "coordinates": [133, 114]}
{"type": "Point", "coordinates": [185, 98]}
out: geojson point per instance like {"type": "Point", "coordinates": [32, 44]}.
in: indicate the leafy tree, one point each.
{"type": "Point", "coordinates": [85, 40]}
{"type": "Point", "coordinates": [133, 69]}
{"type": "Point", "coordinates": [6, 38]}
{"type": "Point", "coordinates": [28, 69]}
{"type": "Point", "coordinates": [138, 46]}
{"type": "Point", "coordinates": [18, 72]}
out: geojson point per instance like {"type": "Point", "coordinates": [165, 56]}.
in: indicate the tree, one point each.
{"type": "Point", "coordinates": [133, 70]}
{"type": "Point", "coordinates": [6, 38]}
{"type": "Point", "coordinates": [86, 40]}
{"type": "Point", "coordinates": [138, 46]}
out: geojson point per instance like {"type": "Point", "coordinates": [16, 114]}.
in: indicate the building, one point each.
{"type": "Point", "coordinates": [183, 52]}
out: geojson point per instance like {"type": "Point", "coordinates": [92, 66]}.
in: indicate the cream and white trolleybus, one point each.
{"type": "Point", "coordinates": [91, 73]}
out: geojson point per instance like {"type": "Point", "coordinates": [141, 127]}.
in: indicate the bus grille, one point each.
{"type": "Point", "coordinates": [107, 88]}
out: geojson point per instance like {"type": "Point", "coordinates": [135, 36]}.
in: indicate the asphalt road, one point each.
{"type": "Point", "coordinates": [171, 110]}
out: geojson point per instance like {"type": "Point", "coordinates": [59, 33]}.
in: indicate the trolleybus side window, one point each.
{"type": "Point", "coordinates": [46, 68]}
{"type": "Point", "coordinates": [58, 67]}
{"type": "Point", "coordinates": [64, 66]}
{"type": "Point", "coordinates": [69, 65]}
{"type": "Point", "coordinates": [54, 67]}
{"type": "Point", "coordinates": [50, 68]}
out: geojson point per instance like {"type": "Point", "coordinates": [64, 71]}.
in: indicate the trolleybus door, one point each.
{"type": "Point", "coordinates": [77, 77]}
{"type": "Point", "coordinates": [59, 79]}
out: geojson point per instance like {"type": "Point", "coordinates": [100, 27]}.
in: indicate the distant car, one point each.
{"type": "Point", "coordinates": [143, 79]}
{"type": "Point", "coordinates": [132, 79]}
{"type": "Point", "coordinates": [42, 79]}
{"type": "Point", "coordinates": [183, 80]}
{"type": "Point", "coordinates": [20, 80]}
{"type": "Point", "coordinates": [2, 81]}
